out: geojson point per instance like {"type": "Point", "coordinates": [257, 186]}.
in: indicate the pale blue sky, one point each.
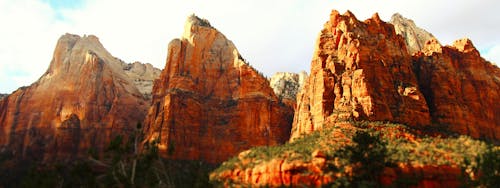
{"type": "Point", "coordinates": [59, 5]}
{"type": "Point", "coordinates": [274, 35]}
{"type": "Point", "coordinates": [64, 4]}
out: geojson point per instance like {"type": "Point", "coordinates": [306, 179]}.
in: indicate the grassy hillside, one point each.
{"type": "Point", "coordinates": [359, 153]}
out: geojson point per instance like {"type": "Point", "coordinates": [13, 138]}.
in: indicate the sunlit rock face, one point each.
{"type": "Point", "coordinates": [363, 71]}
{"type": "Point", "coordinates": [415, 37]}
{"type": "Point", "coordinates": [82, 101]}
{"type": "Point", "coordinates": [209, 104]}
{"type": "Point", "coordinates": [359, 71]}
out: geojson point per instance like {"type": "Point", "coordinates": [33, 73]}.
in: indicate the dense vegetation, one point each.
{"type": "Point", "coordinates": [363, 147]}
{"type": "Point", "coordinates": [368, 147]}
{"type": "Point", "coordinates": [122, 165]}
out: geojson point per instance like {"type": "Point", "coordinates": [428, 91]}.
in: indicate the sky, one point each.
{"type": "Point", "coordinates": [273, 35]}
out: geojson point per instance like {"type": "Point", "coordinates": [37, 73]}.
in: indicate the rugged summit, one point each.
{"type": "Point", "coordinates": [362, 81]}
{"type": "Point", "coordinates": [461, 88]}
{"type": "Point", "coordinates": [362, 71]}
{"type": "Point", "coordinates": [359, 71]}
{"type": "Point", "coordinates": [81, 102]}
{"type": "Point", "coordinates": [415, 37]}
{"type": "Point", "coordinates": [143, 76]}
{"type": "Point", "coordinates": [209, 104]}
{"type": "Point", "coordinates": [286, 85]}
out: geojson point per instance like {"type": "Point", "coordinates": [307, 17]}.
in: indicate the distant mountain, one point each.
{"type": "Point", "coordinates": [286, 85]}
{"type": "Point", "coordinates": [415, 37]}
{"type": "Point", "coordinates": [143, 76]}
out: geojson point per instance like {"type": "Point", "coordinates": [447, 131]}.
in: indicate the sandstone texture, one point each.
{"type": "Point", "coordinates": [3, 95]}
{"type": "Point", "coordinates": [362, 71]}
{"type": "Point", "coordinates": [79, 104]}
{"type": "Point", "coordinates": [286, 85]}
{"type": "Point", "coordinates": [461, 88]}
{"type": "Point", "coordinates": [415, 37]}
{"type": "Point", "coordinates": [284, 173]}
{"type": "Point", "coordinates": [359, 71]}
{"type": "Point", "coordinates": [143, 76]}
{"type": "Point", "coordinates": [209, 104]}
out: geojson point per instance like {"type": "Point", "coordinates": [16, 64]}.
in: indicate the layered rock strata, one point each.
{"type": "Point", "coordinates": [461, 88]}
{"type": "Point", "coordinates": [82, 101]}
{"type": "Point", "coordinates": [209, 104]}
{"type": "Point", "coordinates": [360, 71]}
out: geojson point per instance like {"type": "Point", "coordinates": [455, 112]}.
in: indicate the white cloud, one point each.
{"type": "Point", "coordinates": [273, 35]}
{"type": "Point", "coordinates": [27, 38]}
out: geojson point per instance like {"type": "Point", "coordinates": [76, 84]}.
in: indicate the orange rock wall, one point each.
{"type": "Point", "coordinates": [461, 88]}
{"type": "Point", "coordinates": [209, 104]}
{"type": "Point", "coordinates": [359, 71]}
{"type": "Point", "coordinates": [80, 103]}
{"type": "Point", "coordinates": [362, 71]}
{"type": "Point", "coordinates": [283, 173]}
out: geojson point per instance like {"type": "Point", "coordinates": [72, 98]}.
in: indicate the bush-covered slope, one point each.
{"type": "Point", "coordinates": [366, 153]}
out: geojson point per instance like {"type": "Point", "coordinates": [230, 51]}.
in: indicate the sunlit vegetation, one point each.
{"type": "Point", "coordinates": [368, 147]}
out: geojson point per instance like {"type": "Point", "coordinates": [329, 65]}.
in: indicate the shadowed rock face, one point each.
{"type": "Point", "coordinates": [209, 104]}
{"type": "Point", "coordinates": [461, 88]}
{"type": "Point", "coordinates": [81, 102]}
{"type": "Point", "coordinates": [415, 37]}
{"type": "Point", "coordinates": [359, 71]}
{"type": "Point", "coordinates": [3, 95]}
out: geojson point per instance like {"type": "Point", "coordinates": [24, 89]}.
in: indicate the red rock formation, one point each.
{"type": "Point", "coordinates": [461, 88]}
{"type": "Point", "coordinates": [209, 104]}
{"type": "Point", "coordinates": [81, 102]}
{"type": "Point", "coordinates": [362, 71]}
{"type": "Point", "coordinates": [359, 71]}
{"type": "Point", "coordinates": [278, 173]}
{"type": "Point", "coordinates": [284, 173]}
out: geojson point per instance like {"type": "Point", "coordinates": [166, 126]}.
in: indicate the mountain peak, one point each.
{"type": "Point", "coordinates": [195, 20]}
{"type": "Point", "coordinates": [464, 45]}
{"type": "Point", "coordinates": [415, 37]}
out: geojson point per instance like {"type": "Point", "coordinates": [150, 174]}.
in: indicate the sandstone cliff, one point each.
{"type": "Point", "coordinates": [461, 88]}
{"type": "Point", "coordinates": [143, 76]}
{"type": "Point", "coordinates": [286, 85]}
{"type": "Point", "coordinates": [81, 102]}
{"type": "Point", "coordinates": [363, 71]}
{"type": "Point", "coordinates": [209, 104]}
{"type": "Point", "coordinates": [360, 71]}
{"type": "Point", "coordinates": [415, 37]}
{"type": "Point", "coordinates": [3, 95]}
